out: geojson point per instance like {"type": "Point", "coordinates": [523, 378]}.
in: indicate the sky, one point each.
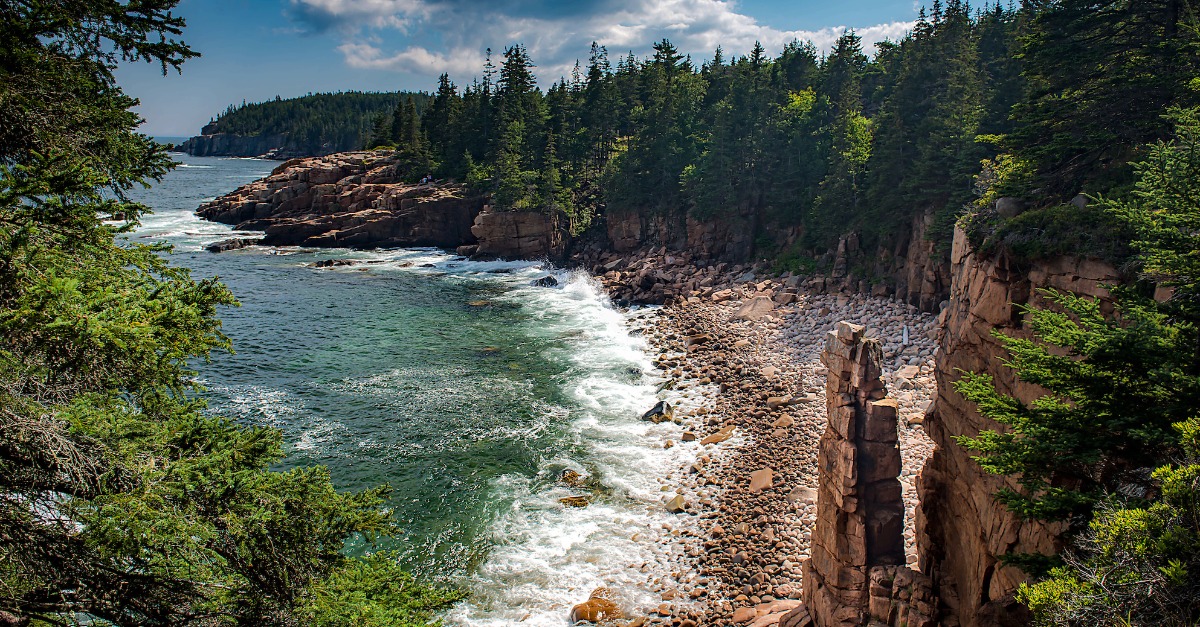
{"type": "Point", "coordinates": [256, 50]}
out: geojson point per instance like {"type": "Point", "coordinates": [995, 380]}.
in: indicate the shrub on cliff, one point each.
{"type": "Point", "coordinates": [1115, 444]}
{"type": "Point", "coordinates": [1137, 562]}
{"type": "Point", "coordinates": [121, 501]}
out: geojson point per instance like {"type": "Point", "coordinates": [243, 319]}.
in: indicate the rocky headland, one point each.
{"type": "Point", "coordinates": [230, 145]}
{"type": "Point", "coordinates": [357, 200]}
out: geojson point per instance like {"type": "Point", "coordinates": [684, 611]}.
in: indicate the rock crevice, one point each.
{"type": "Point", "coordinates": [857, 542]}
{"type": "Point", "coordinates": [962, 531]}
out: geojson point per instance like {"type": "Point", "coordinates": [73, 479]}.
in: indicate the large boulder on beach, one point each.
{"type": "Point", "coordinates": [755, 308]}
{"type": "Point", "coordinates": [662, 412]}
{"type": "Point", "coordinates": [597, 608]}
{"type": "Point", "coordinates": [725, 433]}
{"type": "Point", "coordinates": [761, 480]}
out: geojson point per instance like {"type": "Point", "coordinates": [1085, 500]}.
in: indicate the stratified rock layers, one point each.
{"type": "Point", "coordinates": [961, 529]}
{"type": "Point", "coordinates": [860, 512]}
{"type": "Point", "coordinates": [518, 235]}
{"type": "Point", "coordinates": [348, 200]}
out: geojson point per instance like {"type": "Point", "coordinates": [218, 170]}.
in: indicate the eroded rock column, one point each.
{"type": "Point", "coordinates": [860, 513]}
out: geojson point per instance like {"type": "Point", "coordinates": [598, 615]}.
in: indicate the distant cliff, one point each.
{"type": "Point", "coordinates": [229, 145]}
{"type": "Point", "coordinates": [310, 126]}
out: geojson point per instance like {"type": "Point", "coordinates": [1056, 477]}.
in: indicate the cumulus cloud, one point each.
{"type": "Point", "coordinates": [427, 37]}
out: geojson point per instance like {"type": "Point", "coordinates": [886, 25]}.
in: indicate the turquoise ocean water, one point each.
{"type": "Point", "coordinates": [459, 383]}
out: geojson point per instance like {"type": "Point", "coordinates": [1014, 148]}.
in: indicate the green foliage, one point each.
{"type": "Point", "coordinates": [830, 144]}
{"type": "Point", "coordinates": [1116, 387]}
{"type": "Point", "coordinates": [791, 260]}
{"type": "Point", "coordinates": [1163, 212]}
{"type": "Point", "coordinates": [1136, 563]}
{"type": "Point", "coordinates": [1123, 396]}
{"type": "Point", "coordinates": [121, 500]}
{"type": "Point", "coordinates": [1100, 73]}
{"type": "Point", "coordinates": [374, 592]}
{"type": "Point", "coordinates": [412, 149]}
{"type": "Point", "coordinates": [1050, 232]}
{"type": "Point", "coordinates": [320, 123]}
{"type": "Point", "coordinates": [841, 142]}
{"type": "Point", "coordinates": [1005, 175]}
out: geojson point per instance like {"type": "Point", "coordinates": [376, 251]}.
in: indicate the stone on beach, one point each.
{"type": "Point", "coordinates": [761, 479]}
{"type": "Point", "coordinates": [720, 436]}
{"type": "Point", "coordinates": [661, 412]}
{"type": "Point", "coordinates": [756, 308]}
{"type": "Point", "coordinates": [597, 608]}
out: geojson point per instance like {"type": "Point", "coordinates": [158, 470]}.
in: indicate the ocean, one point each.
{"type": "Point", "coordinates": [459, 383]}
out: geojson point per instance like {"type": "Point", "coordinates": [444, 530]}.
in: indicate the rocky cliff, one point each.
{"type": "Point", "coordinates": [356, 200]}
{"type": "Point", "coordinates": [724, 239]}
{"type": "Point", "coordinates": [229, 145]}
{"type": "Point", "coordinates": [348, 199]}
{"type": "Point", "coordinates": [908, 266]}
{"type": "Point", "coordinates": [517, 235]}
{"type": "Point", "coordinates": [962, 530]}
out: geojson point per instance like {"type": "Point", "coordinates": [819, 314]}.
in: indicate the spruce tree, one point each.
{"type": "Point", "coordinates": [121, 500]}
{"type": "Point", "coordinates": [1100, 73]}
{"type": "Point", "coordinates": [1123, 400]}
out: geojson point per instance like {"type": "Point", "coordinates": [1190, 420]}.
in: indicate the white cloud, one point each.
{"type": "Point", "coordinates": [414, 59]}
{"type": "Point", "coordinates": [450, 35]}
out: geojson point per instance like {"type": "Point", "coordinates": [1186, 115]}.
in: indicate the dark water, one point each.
{"type": "Point", "coordinates": [461, 385]}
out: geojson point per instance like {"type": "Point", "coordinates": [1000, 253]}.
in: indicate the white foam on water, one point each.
{"type": "Point", "coordinates": [548, 557]}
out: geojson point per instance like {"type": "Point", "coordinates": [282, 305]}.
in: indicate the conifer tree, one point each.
{"type": "Point", "coordinates": [1123, 398]}
{"type": "Point", "coordinates": [121, 501]}
{"type": "Point", "coordinates": [1100, 73]}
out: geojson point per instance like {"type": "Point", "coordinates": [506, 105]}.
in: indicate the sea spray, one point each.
{"type": "Point", "coordinates": [463, 385]}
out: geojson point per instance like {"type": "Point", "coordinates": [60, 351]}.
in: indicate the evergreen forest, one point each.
{"type": "Point", "coordinates": [1036, 103]}
{"type": "Point", "coordinates": [122, 502]}
{"type": "Point", "coordinates": [314, 123]}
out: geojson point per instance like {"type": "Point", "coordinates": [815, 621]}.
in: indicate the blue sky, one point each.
{"type": "Point", "coordinates": [255, 50]}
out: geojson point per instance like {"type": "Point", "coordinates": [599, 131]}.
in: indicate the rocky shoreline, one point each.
{"type": "Point", "coordinates": [741, 363]}
{"type": "Point", "coordinates": [739, 354]}
{"type": "Point", "coordinates": [358, 200]}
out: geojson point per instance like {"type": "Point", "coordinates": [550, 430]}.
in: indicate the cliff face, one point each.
{"type": "Point", "coordinates": [351, 200]}
{"type": "Point", "coordinates": [961, 529]}
{"type": "Point", "coordinates": [229, 145]}
{"type": "Point", "coordinates": [517, 235]}
{"type": "Point", "coordinates": [910, 267]}
{"type": "Point", "coordinates": [726, 239]}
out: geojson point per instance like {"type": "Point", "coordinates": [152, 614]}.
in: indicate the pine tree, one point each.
{"type": "Point", "coordinates": [511, 179]}
{"type": "Point", "coordinates": [121, 501]}
{"type": "Point", "coordinates": [1100, 74]}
